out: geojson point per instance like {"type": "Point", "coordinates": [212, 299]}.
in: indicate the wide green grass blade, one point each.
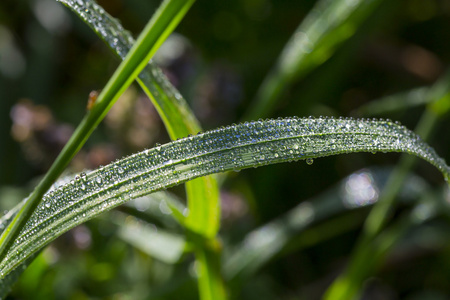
{"type": "Point", "coordinates": [329, 24]}
{"type": "Point", "coordinates": [232, 148]}
{"type": "Point", "coordinates": [153, 204]}
{"type": "Point", "coordinates": [158, 28]}
{"type": "Point", "coordinates": [202, 194]}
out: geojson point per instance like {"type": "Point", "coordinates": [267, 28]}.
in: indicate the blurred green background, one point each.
{"type": "Point", "coordinates": [50, 61]}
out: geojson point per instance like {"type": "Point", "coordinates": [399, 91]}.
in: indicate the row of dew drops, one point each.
{"type": "Point", "coordinates": [234, 147]}
{"type": "Point", "coordinates": [246, 145]}
{"type": "Point", "coordinates": [121, 41]}
{"type": "Point", "coordinates": [95, 15]}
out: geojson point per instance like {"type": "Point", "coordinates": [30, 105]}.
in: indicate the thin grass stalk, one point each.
{"type": "Point", "coordinates": [158, 28]}
{"type": "Point", "coordinates": [349, 284]}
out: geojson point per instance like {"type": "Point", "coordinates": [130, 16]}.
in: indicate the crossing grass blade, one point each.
{"type": "Point", "coordinates": [158, 28]}
{"type": "Point", "coordinates": [202, 194]}
{"type": "Point", "coordinates": [235, 147]}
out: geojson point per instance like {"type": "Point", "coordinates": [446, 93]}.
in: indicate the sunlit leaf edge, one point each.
{"type": "Point", "coordinates": [179, 120]}
{"type": "Point", "coordinates": [250, 144]}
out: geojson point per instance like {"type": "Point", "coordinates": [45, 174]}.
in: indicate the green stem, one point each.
{"type": "Point", "coordinates": [379, 214]}
{"type": "Point", "coordinates": [370, 256]}
{"type": "Point", "coordinates": [208, 259]}
{"type": "Point", "coordinates": [158, 28]}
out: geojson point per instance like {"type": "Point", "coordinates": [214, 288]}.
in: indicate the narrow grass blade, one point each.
{"type": "Point", "coordinates": [396, 102]}
{"type": "Point", "coordinates": [211, 285]}
{"type": "Point", "coordinates": [202, 194]}
{"type": "Point", "coordinates": [346, 286]}
{"type": "Point", "coordinates": [173, 109]}
{"type": "Point", "coordinates": [412, 98]}
{"type": "Point", "coordinates": [162, 208]}
{"type": "Point", "coordinates": [327, 26]}
{"type": "Point", "coordinates": [261, 245]}
{"type": "Point", "coordinates": [376, 250]}
{"type": "Point", "coordinates": [160, 244]}
{"type": "Point", "coordinates": [232, 148]}
{"type": "Point", "coordinates": [158, 28]}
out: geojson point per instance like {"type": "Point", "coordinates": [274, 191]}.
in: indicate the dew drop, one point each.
{"type": "Point", "coordinates": [309, 161]}
{"type": "Point", "coordinates": [186, 212]}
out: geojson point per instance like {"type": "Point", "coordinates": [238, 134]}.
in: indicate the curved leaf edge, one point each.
{"type": "Point", "coordinates": [173, 109]}
{"type": "Point", "coordinates": [249, 144]}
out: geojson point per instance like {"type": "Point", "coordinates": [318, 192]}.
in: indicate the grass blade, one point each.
{"type": "Point", "coordinates": [326, 27]}
{"type": "Point", "coordinates": [156, 242]}
{"type": "Point", "coordinates": [266, 242]}
{"type": "Point", "coordinates": [211, 286]}
{"type": "Point", "coordinates": [437, 95]}
{"type": "Point", "coordinates": [346, 286]}
{"type": "Point", "coordinates": [158, 28]}
{"type": "Point", "coordinates": [396, 102]}
{"type": "Point", "coordinates": [202, 194]}
{"type": "Point", "coordinates": [236, 147]}
{"type": "Point", "coordinates": [376, 250]}
{"type": "Point", "coordinates": [173, 109]}
{"type": "Point", "coordinates": [163, 209]}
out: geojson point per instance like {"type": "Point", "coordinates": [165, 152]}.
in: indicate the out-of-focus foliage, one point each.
{"type": "Point", "coordinates": [50, 62]}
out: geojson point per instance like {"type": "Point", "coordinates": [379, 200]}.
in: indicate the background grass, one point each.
{"type": "Point", "coordinates": [227, 51]}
